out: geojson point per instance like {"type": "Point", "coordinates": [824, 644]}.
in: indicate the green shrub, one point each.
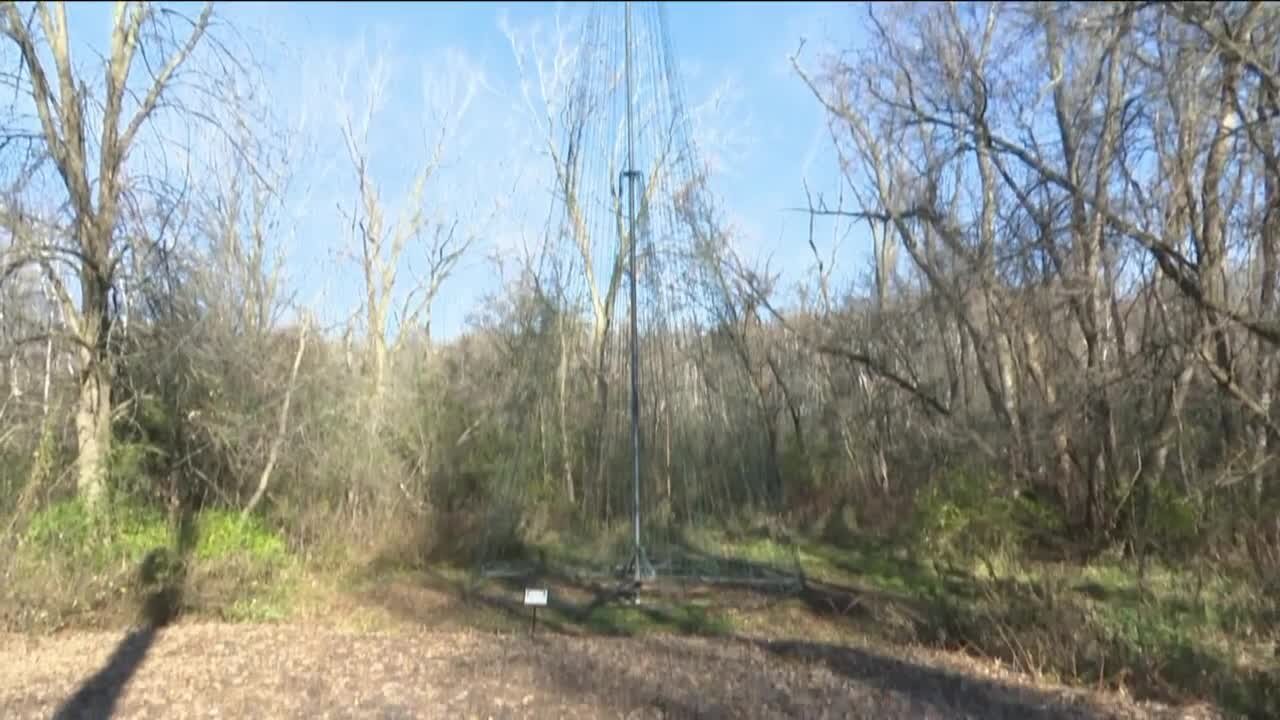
{"type": "Point", "coordinates": [1173, 522]}
{"type": "Point", "coordinates": [840, 527]}
{"type": "Point", "coordinates": [973, 514]}
{"type": "Point", "coordinates": [45, 460]}
{"type": "Point", "coordinates": [125, 531]}
{"type": "Point", "coordinates": [125, 553]}
{"type": "Point", "coordinates": [958, 518]}
{"type": "Point", "coordinates": [130, 466]}
{"type": "Point", "coordinates": [224, 535]}
{"type": "Point", "coordinates": [138, 530]}
{"type": "Point", "coordinates": [62, 527]}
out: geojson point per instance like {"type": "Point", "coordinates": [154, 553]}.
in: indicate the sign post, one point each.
{"type": "Point", "coordinates": [535, 598]}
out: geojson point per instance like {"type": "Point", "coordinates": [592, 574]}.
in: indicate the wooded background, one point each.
{"type": "Point", "coordinates": [1067, 335]}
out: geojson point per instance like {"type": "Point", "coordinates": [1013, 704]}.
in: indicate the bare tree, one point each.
{"type": "Point", "coordinates": [1069, 184]}
{"type": "Point", "coordinates": [282, 425]}
{"type": "Point", "coordinates": [427, 234]}
{"type": "Point", "coordinates": [66, 115]}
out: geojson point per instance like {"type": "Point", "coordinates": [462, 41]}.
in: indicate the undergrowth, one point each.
{"type": "Point", "coordinates": [1175, 633]}
{"type": "Point", "coordinates": [72, 565]}
{"type": "Point", "coordinates": [959, 577]}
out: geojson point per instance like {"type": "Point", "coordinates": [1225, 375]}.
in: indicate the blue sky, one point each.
{"type": "Point", "coordinates": [766, 132]}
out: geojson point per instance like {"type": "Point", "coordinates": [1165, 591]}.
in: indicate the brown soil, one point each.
{"type": "Point", "coordinates": [315, 670]}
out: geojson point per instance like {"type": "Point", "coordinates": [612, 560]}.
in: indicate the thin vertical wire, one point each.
{"type": "Point", "coordinates": [635, 328]}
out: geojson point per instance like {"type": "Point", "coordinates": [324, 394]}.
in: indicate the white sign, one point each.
{"type": "Point", "coordinates": [535, 597]}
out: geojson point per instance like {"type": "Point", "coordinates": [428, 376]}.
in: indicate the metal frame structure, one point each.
{"type": "Point", "coordinates": [638, 566]}
{"type": "Point", "coordinates": [636, 569]}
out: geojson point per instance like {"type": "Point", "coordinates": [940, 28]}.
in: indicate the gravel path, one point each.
{"type": "Point", "coordinates": [296, 671]}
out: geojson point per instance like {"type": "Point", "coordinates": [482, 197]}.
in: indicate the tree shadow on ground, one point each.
{"type": "Point", "coordinates": [619, 678]}
{"type": "Point", "coordinates": [951, 693]}
{"type": "Point", "coordinates": [681, 680]}
{"type": "Point", "coordinates": [597, 604]}
{"type": "Point", "coordinates": [162, 576]}
{"type": "Point", "coordinates": [750, 677]}
{"type": "Point", "coordinates": [572, 604]}
{"type": "Point", "coordinates": [583, 608]}
{"type": "Point", "coordinates": [918, 689]}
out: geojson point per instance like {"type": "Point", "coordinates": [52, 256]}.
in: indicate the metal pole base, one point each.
{"type": "Point", "coordinates": [638, 567]}
{"type": "Point", "coordinates": [634, 574]}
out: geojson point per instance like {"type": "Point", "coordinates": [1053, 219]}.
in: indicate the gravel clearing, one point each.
{"type": "Point", "coordinates": [213, 670]}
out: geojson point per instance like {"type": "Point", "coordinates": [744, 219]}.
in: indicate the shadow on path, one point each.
{"type": "Point", "coordinates": [98, 695]}
{"type": "Point", "coordinates": [949, 693]}
{"type": "Point", "coordinates": [163, 575]}
{"type": "Point", "coordinates": [878, 684]}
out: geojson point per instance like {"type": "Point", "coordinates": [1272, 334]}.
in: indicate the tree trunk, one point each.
{"type": "Point", "coordinates": [773, 467]}
{"type": "Point", "coordinates": [273, 456]}
{"type": "Point", "coordinates": [93, 411]}
{"type": "Point", "coordinates": [666, 447]}
{"type": "Point", "coordinates": [93, 430]}
{"type": "Point", "coordinates": [1270, 257]}
{"type": "Point", "coordinates": [566, 458]}
{"type": "Point", "coordinates": [1212, 250]}
{"type": "Point", "coordinates": [378, 358]}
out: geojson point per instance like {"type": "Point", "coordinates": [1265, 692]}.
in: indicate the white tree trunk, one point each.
{"type": "Point", "coordinates": [93, 434]}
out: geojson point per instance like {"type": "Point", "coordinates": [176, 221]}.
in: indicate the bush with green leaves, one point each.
{"type": "Point", "coordinates": [127, 532]}
{"type": "Point", "coordinates": [1172, 522]}
{"type": "Point", "coordinates": [973, 514]}
{"type": "Point", "coordinates": [119, 532]}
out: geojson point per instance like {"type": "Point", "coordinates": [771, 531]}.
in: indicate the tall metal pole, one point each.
{"type": "Point", "coordinates": [638, 552]}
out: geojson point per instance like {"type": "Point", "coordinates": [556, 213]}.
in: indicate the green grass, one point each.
{"type": "Point", "coordinates": [870, 564]}
{"type": "Point", "coordinates": [1170, 635]}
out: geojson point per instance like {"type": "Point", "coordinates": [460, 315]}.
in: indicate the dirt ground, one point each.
{"type": "Point", "coordinates": [285, 671]}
